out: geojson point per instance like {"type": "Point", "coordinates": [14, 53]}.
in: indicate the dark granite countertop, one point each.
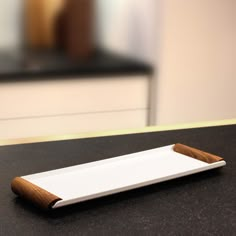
{"type": "Point", "coordinates": [45, 64]}
{"type": "Point", "coordinates": [200, 204]}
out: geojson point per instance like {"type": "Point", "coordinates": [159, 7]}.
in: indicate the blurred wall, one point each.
{"type": "Point", "coordinates": [10, 24]}
{"type": "Point", "coordinates": [127, 27]}
{"type": "Point", "coordinates": [197, 69]}
{"type": "Point", "coordinates": [234, 39]}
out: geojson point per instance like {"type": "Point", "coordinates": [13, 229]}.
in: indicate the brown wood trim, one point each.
{"type": "Point", "coordinates": [33, 193]}
{"type": "Point", "coordinates": [196, 154]}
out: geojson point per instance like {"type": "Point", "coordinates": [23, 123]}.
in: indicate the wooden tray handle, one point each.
{"type": "Point", "coordinates": [33, 193]}
{"type": "Point", "coordinates": [197, 154]}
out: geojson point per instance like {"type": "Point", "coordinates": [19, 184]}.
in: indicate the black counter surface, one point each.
{"type": "Point", "coordinates": [200, 204]}
{"type": "Point", "coordinates": [49, 64]}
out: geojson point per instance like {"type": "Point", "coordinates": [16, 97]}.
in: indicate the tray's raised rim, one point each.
{"type": "Point", "coordinates": [7, 142]}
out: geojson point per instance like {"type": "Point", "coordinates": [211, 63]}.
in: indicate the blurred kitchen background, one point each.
{"type": "Point", "coordinates": [77, 66]}
{"type": "Point", "coordinates": [122, 26]}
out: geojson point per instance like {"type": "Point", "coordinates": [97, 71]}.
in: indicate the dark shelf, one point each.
{"type": "Point", "coordinates": [55, 64]}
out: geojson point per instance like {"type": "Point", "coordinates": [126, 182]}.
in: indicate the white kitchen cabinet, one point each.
{"type": "Point", "coordinates": [73, 105]}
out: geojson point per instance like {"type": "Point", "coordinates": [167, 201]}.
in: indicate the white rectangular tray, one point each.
{"type": "Point", "coordinates": [88, 181]}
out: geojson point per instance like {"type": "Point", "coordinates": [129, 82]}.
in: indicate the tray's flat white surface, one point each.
{"type": "Point", "coordinates": [88, 181]}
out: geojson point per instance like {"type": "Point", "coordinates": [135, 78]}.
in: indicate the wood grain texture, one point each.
{"type": "Point", "coordinates": [33, 193]}
{"type": "Point", "coordinates": [196, 154]}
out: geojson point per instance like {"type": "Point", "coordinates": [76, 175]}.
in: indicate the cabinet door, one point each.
{"type": "Point", "coordinates": [72, 124]}
{"type": "Point", "coordinates": [72, 96]}
{"type": "Point", "coordinates": [57, 107]}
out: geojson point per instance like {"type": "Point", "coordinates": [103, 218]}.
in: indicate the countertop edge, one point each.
{"type": "Point", "coordinates": [150, 129]}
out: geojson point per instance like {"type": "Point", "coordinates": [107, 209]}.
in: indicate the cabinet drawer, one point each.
{"type": "Point", "coordinates": [72, 124]}
{"type": "Point", "coordinates": [72, 96]}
